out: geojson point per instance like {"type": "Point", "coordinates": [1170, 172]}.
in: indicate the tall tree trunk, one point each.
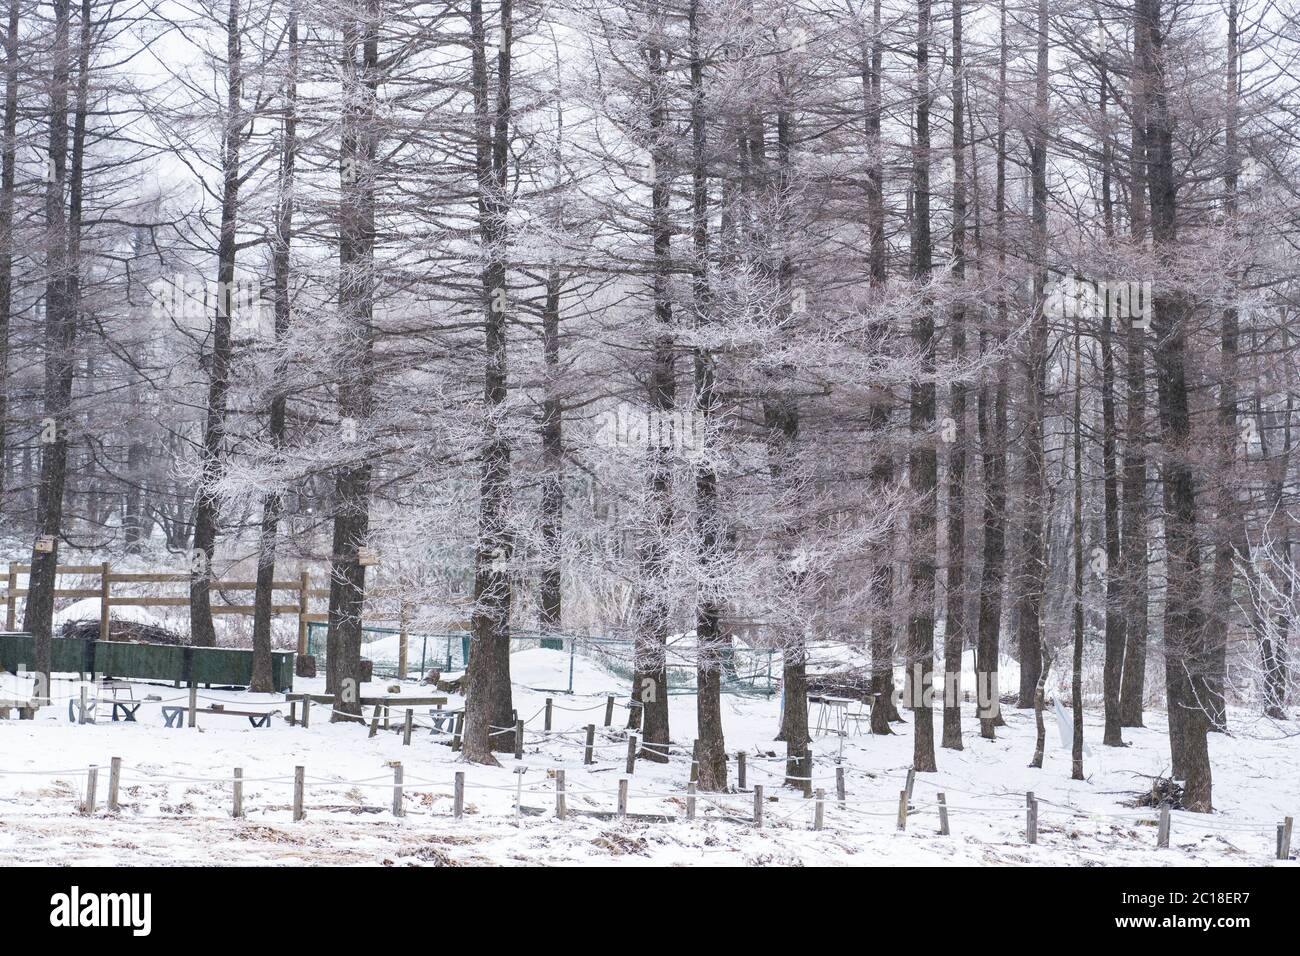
{"type": "Point", "coordinates": [954, 634]}
{"type": "Point", "coordinates": [552, 525]}
{"type": "Point", "coordinates": [922, 458]}
{"type": "Point", "coordinates": [712, 751]}
{"type": "Point", "coordinates": [1076, 676]}
{"type": "Point", "coordinates": [881, 475]}
{"type": "Point", "coordinates": [1185, 657]}
{"type": "Point", "coordinates": [1034, 553]}
{"type": "Point", "coordinates": [357, 154]}
{"type": "Point", "coordinates": [60, 338]}
{"type": "Point", "coordinates": [8, 151]}
{"type": "Point", "coordinates": [273, 504]}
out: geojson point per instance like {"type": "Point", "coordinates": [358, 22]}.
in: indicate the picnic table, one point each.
{"type": "Point", "coordinates": [119, 708]}
{"type": "Point", "coordinates": [174, 716]}
{"type": "Point", "coordinates": [835, 714]}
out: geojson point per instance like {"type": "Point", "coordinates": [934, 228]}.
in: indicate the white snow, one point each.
{"type": "Point", "coordinates": [175, 790]}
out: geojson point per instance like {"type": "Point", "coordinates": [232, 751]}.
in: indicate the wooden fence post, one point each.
{"type": "Point", "coordinates": [911, 782]}
{"type": "Point", "coordinates": [458, 796]}
{"type": "Point", "coordinates": [81, 714]}
{"type": "Point", "coordinates": [758, 805]}
{"type": "Point", "coordinates": [237, 804]}
{"type": "Point", "coordinates": [560, 809]}
{"type": "Point", "coordinates": [695, 762]}
{"type": "Point", "coordinates": [820, 797]}
{"type": "Point", "coordinates": [808, 768]}
{"type": "Point", "coordinates": [104, 571]}
{"type": "Point", "coordinates": [690, 801]}
{"type": "Point", "coordinates": [1286, 837]}
{"type": "Point", "coordinates": [591, 740]}
{"type": "Point", "coordinates": [943, 815]}
{"type": "Point", "coordinates": [519, 740]}
{"type": "Point", "coordinates": [622, 797]}
{"type": "Point", "coordinates": [902, 809]}
{"type": "Point", "coordinates": [114, 780]}
{"type": "Point", "coordinates": [92, 784]}
{"type": "Point", "coordinates": [306, 712]}
{"type": "Point", "coordinates": [740, 770]}
{"type": "Point", "coordinates": [458, 730]}
{"type": "Point", "coordinates": [609, 710]}
{"type": "Point", "coordinates": [397, 789]}
{"type": "Point", "coordinates": [304, 592]}
{"type": "Point", "coordinates": [406, 727]}
{"type": "Point", "coordinates": [194, 704]}
{"type": "Point", "coordinates": [631, 753]}
{"type": "Point", "coordinates": [1162, 830]}
{"type": "Point", "coordinates": [1031, 818]}
{"type": "Point", "coordinates": [298, 774]}
{"type": "Point", "coordinates": [546, 725]}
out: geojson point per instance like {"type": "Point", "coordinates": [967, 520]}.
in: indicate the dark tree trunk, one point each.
{"type": "Point", "coordinates": [1076, 675]}
{"type": "Point", "coordinates": [954, 634]}
{"type": "Point", "coordinates": [488, 703]}
{"type": "Point", "coordinates": [60, 338]}
{"type": "Point", "coordinates": [922, 458]}
{"type": "Point", "coordinates": [273, 505]}
{"type": "Point", "coordinates": [552, 530]}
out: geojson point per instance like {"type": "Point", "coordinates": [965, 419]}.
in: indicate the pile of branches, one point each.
{"type": "Point", "coordinates": [132, 631]}
{"type": "Point", "coordinates": [1164, 792]}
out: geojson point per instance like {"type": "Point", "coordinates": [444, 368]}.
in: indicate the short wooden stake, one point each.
{"type": "Point", "coordinates": [943, 815]}
{"type": "Point", "coordinates": [546, 725]}
{"type": "Point", "coordinates": [374, 721]}
{"type": "Point", "coordinates": [1286, 838]}
{"type": "Point", "coordinates": [406, 727]}
{"type": "Point", "coordinates": [194, 703]}
{"type": "Point", "coordinates": [758, 805]}
{"type": "Point", "coordinates": [92, 784]}
{"type": "Point", "coordinates": [306, 713]}
{"type": "Point", "coordinates": [1031, 820]}
{"type": "Point", "coordinates": [458, 796]}
{"type": "Point", "coordinates": [114, 779]}
{"type": "Point", "coordinates": [609, 710]}
{"type": "Point", "coordinates": [561, 811]}
{"type": "Point", "coordinates": [840, 790]}
{"type": "Point", "coordinates": [740, 770]}
{"type": "Point", "coordinates": [293, 713]}
{"type": "Point", "coordinates": [519, 792]}
{"type": "Point", "coordinates": [81, 715]}
{"type": "Point", "coordinates": [519, 740]}
{"type": "Point", "coordinates": [911, 782]}
{"type": "Point", "coordinates": [1281, 840]}
{"type": "Point", "coordinates": [820, 797]}
{"type": "Point", "coordinates": [808, 773]}
{"type": "Point", "coordinates": [298, 774]}
{"type": "Point", "coordinates": [237, 802]}
{"type": "Point", "coordinates": [591, 742]}
{"type": "Point", "coordinates": [458, 732]}
{"type": "Point", "coordinates": [690, 801]}
{"type": "Point", "coordinates": [622, 797]}
{"type": "Point", "coordinates": [902, 809]}
{"type": "Point", "coordinates": [1162, 829]}
{"type": "Point", "coordinates": [398, 809]}
{"type": "Point", "coordinates": [631, 753]}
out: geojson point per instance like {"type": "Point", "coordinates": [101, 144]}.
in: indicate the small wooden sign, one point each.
{"type": "Point", "coordinates": [45, 543]}
{"type": "Point", "coordinates": [367, 556]}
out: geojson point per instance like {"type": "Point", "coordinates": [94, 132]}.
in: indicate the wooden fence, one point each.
{"type": "Point", "coordinates": [301, 589]}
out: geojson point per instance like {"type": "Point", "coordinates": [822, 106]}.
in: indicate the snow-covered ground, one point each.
{"type": "Point", "coordinates": [176, 795]}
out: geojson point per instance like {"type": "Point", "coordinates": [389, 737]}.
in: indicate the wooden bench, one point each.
{"type": "Point", "coordinates": [175, 716]}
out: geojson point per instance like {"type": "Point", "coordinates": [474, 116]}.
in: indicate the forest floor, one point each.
{"type": "Point", "coordinates": [176, 795]}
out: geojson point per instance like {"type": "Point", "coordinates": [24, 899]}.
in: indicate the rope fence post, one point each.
{"type": "Point", "coordinates": [398, 810]}
{"type": "Point", "coordinates": [591, 741]}
{"type": "Point", "coordinates": [458, 731]}
{"type": "Point", "coordinates": [609, 710]}
{"type": "Point", "coordinates": [406, 727]}
{"type": "Point", "coordinates": [114, 779]}
{"type": "Point", "coordinates": [1031, 818]}
{"type": "Point", "coordinates": [81, 714]}
{"type": "Point", "coordinates": [1286, 839]}
{"type": "Point", "coordinates": [519, 740]}
{"type": "Point", "coordinates": [546, 725]}
{"type": "Point", "coordinates": [631, 753]}
{"type": "Point", "coordinates": [1162, 831]}
{"type": "Point", "coordinates": [690, 801]}
{"type": "Point", "coordinates": [458, 796]}
{"type": "Point", "coordinates": [943, 815]}
{"type": "Point", "coordinates": [306, 713]}
{"type": "Point", "coordinates": [194, 704]}
{"type": "Point", "coordinates": [92, 784]}
{"type": "Point", "coordinates": [740, 770]}
{"type": "Point", "coordinates": [298, 781]}
{"type": "Point", "coordinates": [808, 767]}
{"type": "Point", "coordinates": [820, 797]}
{"type": "Point", "coordinates": [840, 789]}
{"type": "Point", "coordinates": [561, 810]}
{"type": "Point", "coordinates": [622, 797]}
{"type": "Point", "coordinates": [237, 799]}
{"type": "Point", "coordinates": [758, 805]}
{"type": "Point", "coordinates": [911, 782]}
{"type": "Point", "coordinates": [374, 722]}
{"type": "Point", "coordinates": [902, 809]}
